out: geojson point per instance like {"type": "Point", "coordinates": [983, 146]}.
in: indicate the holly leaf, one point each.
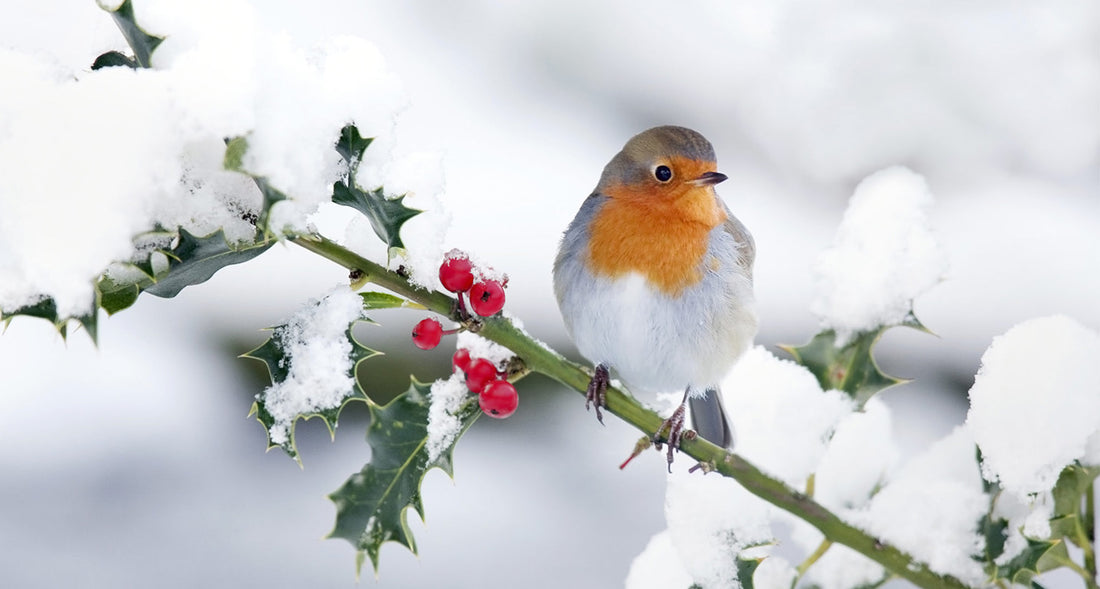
{"type": "Point", "coordinates": [351, 145]}
{"type": "Point", "coordinates": [386, 215]}
{"type": "Point", "coordinates": [274, 354]}
{"type": "Point", "coordinates": [372, 506]}
{"type": "Point", "coordinates": [746, 568]}
{"type": "Point", "coordinates": [1039, 556]}
{"type": "Point", "coordinates": [381, 300]}
{"type": "Point", "coordinates": [1069, 521]}
{"type": "Point", "coordinates": [143, 44]}
{"type": "Point", "coordinates": [114, 59]}
{"type": "Point", "coordinates": [850, 367]}
{"type": "Point", "coordinates": [46, 308]}
{"type": "Point", "coordinates": [195, 259]}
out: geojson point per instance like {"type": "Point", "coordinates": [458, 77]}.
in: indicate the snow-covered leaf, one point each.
{"type": "Point", "coordinates": [371, 507]}
{"type": "Point", "coordinates": [275, 411]}
{"type": "Point", "coordinates": [851, 367]}
{"type": "Point", "coordinates": [47, 309]}
{"type": "Point", "coordinates": [195, 259]}
{"type": "Point", "coordinates": [386, 215]}
{"type": "Point", "coordinates": [114, 59]}
{"type": "Point", "coordinates": [143, 44]}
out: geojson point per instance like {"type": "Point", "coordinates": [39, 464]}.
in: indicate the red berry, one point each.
{"type": "Point", "coordinates": [461, 360]}
{"type": "Point", "coordinates": [427, 333]}
{"type": "Point", "coordinates": [480, 373]}
{"type": "Point", "coordinates": [499, 399]}
{"type": "Point", "coordinates": [486, 298]}
{"type": "Point", "coordinates": [456, 273]}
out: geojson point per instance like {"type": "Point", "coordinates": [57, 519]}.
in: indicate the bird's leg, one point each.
{"type": "Point", "coordinates": [597, 390]}
{"type": "Point", "coordinates": [675, 425]}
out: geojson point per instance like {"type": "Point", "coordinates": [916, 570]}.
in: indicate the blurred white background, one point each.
{"type": "Point", "coordinates": [133, 464]}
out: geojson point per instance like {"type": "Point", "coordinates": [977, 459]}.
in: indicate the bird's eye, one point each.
{"type": "Point", "coordinates": [662, 173]}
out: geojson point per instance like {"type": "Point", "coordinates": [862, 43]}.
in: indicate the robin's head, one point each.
{"type": "Point", "coordinates": [662, 162]}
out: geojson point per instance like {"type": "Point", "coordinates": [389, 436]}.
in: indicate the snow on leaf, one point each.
{"type": "Point", "coordinates": [372, 506]}
{"type": "Point", "coordinates": [143, 44]}
{"type": "Point", "coordinates": [195, 259]}
{"type": "Point", "coordinates": [1039, 556]}
{"type": "Point", "coordinates": [850, 367]}
{"type": "Point", "coordinates": [386, 215]}
{"type": "Point", "coordinates": [114, 59]}
{"type": "Point", "coordinates": [47, 309]}
{"type": "Point", "coordinates": [312, 369]}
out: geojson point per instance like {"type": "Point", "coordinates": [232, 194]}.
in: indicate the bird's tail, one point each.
{"type": "Point", "coordinates": [708, 417]}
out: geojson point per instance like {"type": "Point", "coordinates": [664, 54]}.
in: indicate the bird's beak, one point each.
{"type": "Point", "coordinates": [709, 179]}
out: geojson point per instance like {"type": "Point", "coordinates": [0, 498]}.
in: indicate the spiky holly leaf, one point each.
{"type": "Point", "coordinates": [195, 259]}
{"type": "Point", "coordinates": [371, 507]}
{"type": "Point", "coordinates": [46, 308]}
{"type": "Point", "coordinates": [143, 44]}
{"type": "Point", "coordinates": [192, 261]}
{"type": "Point", "coordinates": [280, 363]}
{"type": "Point", "coordinates": [386, 215]}
{"type": "Point", "coordinates": [850, 367]}
{"type": "Point", "coordinates": [1039, 556]}
{"type": "Point", "coordinates": [1069, 521]}
{"type": "Point", "coordinates": [351, 146]}
{"type": "Point", "coordinates": [746, 568]}
{"type": "Point", "coordinates": [114, 59]}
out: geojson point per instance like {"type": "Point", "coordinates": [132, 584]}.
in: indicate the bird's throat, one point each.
{"type": "Point", "coordinates": [662, 238]}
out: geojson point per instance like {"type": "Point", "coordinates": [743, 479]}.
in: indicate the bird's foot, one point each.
{"type": "Point", "coordinates": [676, 433]}
{"type": "Point", "coordinates": [597, 390]}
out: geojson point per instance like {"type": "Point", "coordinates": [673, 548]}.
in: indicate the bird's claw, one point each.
{"type": "Point", "coordinates": [676, 433]}
{"type": "Point", "coordinates": [597, 391]}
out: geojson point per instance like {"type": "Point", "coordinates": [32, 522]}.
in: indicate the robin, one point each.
{"type": "Point", "coordinates": [654, 279]}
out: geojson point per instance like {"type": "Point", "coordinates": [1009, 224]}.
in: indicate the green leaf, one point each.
{"type": "Point", "coordinates": [1070, 489]}
{"type": "Point", "coordinates": [192, 261]}
{"type": "Point", "coordinates": [195, 259]}
{"type": "Point", "coordinates": [143, 44]}
{"type": "Point", "coordinates": [746, 568]}
{"type": "Point", "coordinates": [274, 355]}
{"type": "Point", "coordinates": [113, 59]}
{"type": "Point", "coordinates": [1037, 557]}
{"type": "Point", "coordinates": [235, 149]}
{"type": "Point", "coordinates": [850, 368]}
{"type": "Point", "coordinates": [46, 308]}
{"type": "Point", "coordinates": [386, 215]}
{"type": "Point", "coordinates": [371, 507]}
{"type": "Point", "coordinates": [351, 144]}
{"type": "Point", "coordinates": [381, 300]}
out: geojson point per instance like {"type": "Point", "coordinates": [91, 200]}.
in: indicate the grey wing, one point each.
{"type": "Point", "coordinates": [746, 254]}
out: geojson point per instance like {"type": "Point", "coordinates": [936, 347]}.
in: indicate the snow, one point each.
{"type": "Point", "coordinates": [932, 507]}
{"type": "Point", "coordinates": [1034, 406]}
{"type": "Point", "coordinates": [658, 566]}
{"type": "Point", "coordinates": [319, 363]}
{"type": "Point", "coordinates": [480, 347]}
{"type": "Point", "coordinates": [711, 519]}
{"type": "Point", "coordinates": [884, 256]}
{"type": "Point", "coordinates": [782, 418]}
{"type": "Point", "coordinates": [860, 456]}
{"type": "Point", "coordinates": [444, 424]}
{"type": "Point", "coordinates": [146, 147]}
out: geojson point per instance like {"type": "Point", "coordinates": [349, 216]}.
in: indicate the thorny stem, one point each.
{"type": "Point", "coordinates": [538, 357]}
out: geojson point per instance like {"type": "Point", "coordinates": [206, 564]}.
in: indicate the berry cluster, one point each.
{"type": "Point", "coordinates": [496, 396]}
{"type": "Point", "coordinates": [457, 275]}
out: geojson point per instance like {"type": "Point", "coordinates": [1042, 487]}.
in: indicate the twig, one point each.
{"type": "Point", "coordinates": [540, 358]}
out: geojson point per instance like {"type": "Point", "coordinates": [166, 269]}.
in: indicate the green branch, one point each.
{"type": "Point", "coordinates": [539, 358]}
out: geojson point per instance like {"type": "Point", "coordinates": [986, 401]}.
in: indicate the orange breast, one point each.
{"type": "Point", "coordinates": [660, 235]}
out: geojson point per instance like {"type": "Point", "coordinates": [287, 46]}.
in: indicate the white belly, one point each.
{"type": "Point", "coordinates": [659, 343]}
